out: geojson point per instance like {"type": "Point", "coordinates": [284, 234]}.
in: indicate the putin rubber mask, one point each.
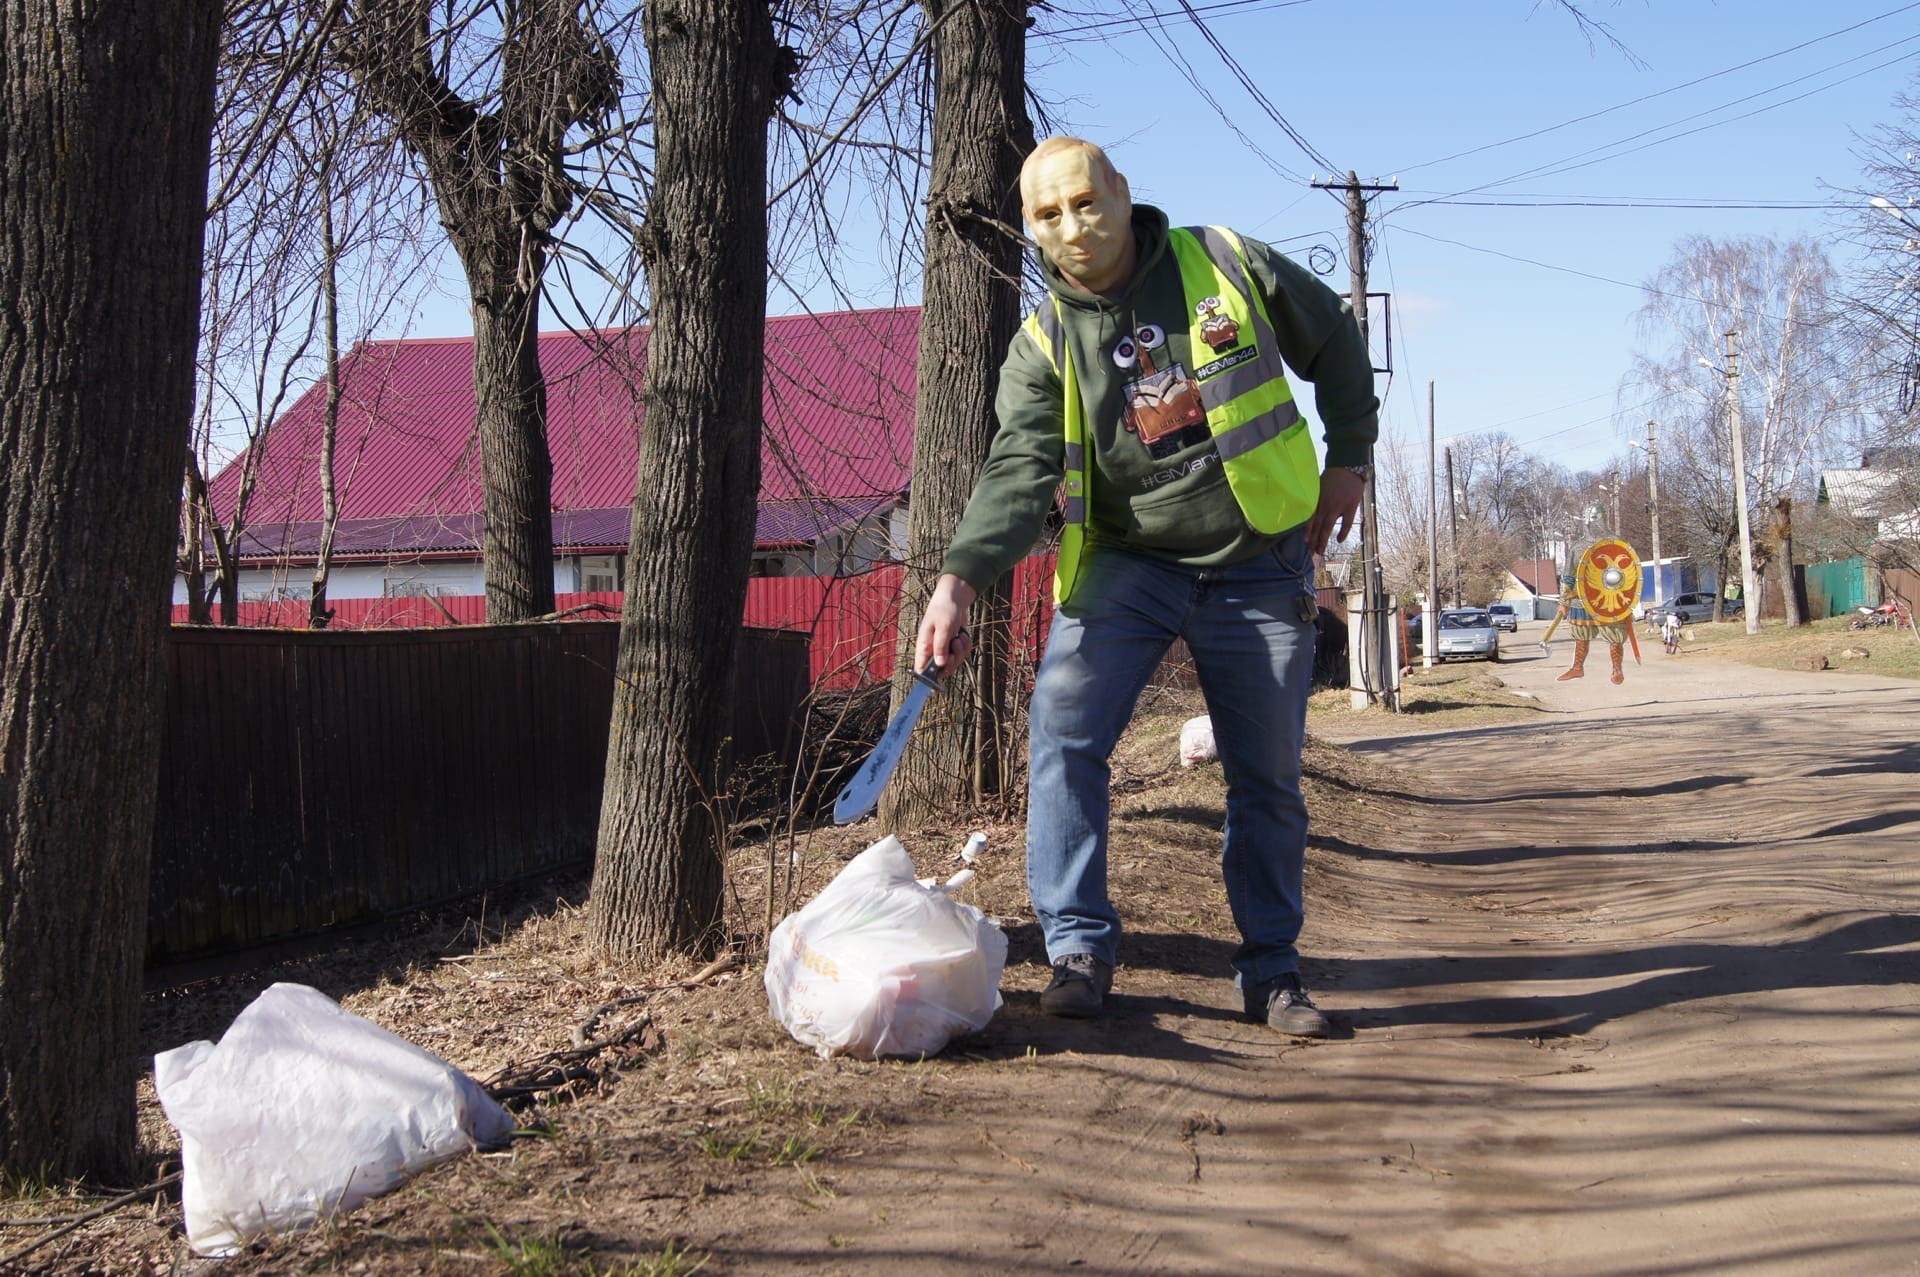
{"type": "Point", "coordinates": [1079, 212]}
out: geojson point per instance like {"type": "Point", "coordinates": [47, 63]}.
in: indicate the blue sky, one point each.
{"type": "Point", "coordinates": [1522, 315]}
{"type": "Point", "coordinates": [1520, 308]}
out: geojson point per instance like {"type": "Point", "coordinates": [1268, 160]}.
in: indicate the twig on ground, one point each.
{"type": "Point", "coordinates": [70, 1222]}
{"type": "Point", "coordinates": [1024, 1165]}
{"type": "Point", "coordinates": [513, 1085]}
{"type": "Point", "coordinates": [1196, 1123]}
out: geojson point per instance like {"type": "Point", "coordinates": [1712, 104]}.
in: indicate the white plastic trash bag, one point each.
{"type": "Point", "coordinates": [1196, 741]}
{"type": "Point", "coordinates": [880, 964]}
{"type": "Point", "coordinates": [305, 1109]}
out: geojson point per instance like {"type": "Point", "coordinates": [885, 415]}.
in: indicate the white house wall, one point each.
{"type": "Point", "coordinates": [369, 580]}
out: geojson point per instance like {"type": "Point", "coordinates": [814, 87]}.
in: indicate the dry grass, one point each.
{"type": "Point", "coordinates": [1890, 653]}
{"type": "Point", "coordinates": [1451, 695]}
{"type": "Point", "coordinates": [690, 1140]}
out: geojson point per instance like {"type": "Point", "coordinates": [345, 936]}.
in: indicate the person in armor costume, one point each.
{"type": "Point", "coordinates": [1150, 390]}
{"type": "Point", "coordinates": [1597, 602]}
{"type": "Point", "coordinates": [1585, 629]}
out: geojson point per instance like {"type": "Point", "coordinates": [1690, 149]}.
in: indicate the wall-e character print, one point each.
{"type": "Point", "coordinates": [1163, 404]}
{"type": "Point", "coordinates": [1217, 330]}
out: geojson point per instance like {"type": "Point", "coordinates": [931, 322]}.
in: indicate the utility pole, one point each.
{"type": "Point", "coordinates": [1379, 670]}
{"type": "Point", "coordinates": [1430, 613]}
{"type": "Point", "coordinates": [1653, 506]}
{"type": "Point", "coordinates": [1453, 529]}
{"type": "Point", "coordinates": [1614, 478]}
{"type": "Point", "coordinates": [1749, 600]}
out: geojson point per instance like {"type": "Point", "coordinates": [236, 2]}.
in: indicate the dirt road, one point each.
{"type": "Point", "coordinates": [1635, 994]}
{"type": "Point", "coordinates": [1630, 988]}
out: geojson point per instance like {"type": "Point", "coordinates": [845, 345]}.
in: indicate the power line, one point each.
{"type": "Point", "coordinates": [1632, 201]}
{"type": "Point", "coordinates": [1648, 97]}
{"type": "Point", "coordinates": [1514, 257]}
{"type": "Point", "coordinates": [1233, 8]}
{"type": "Point", "coordinates": [1566, 165]}
{"type": "Point", "coordinates": [1550, 171]}
{"type": "Point", "coordinates": [1260, 99]}
{"type": "Point", "coordinates": [1170, 50]}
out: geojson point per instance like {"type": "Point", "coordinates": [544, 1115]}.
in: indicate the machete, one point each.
{"type": "Point", "coordinates": [863, 791]}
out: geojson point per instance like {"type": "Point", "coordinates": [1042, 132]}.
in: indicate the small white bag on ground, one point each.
{"type": "Point", "coordinates": [1196, 741]}
{"type": "Point", "coordinates": [305, 1109]}
{"type": "Point", "coordinates": [880, 965]}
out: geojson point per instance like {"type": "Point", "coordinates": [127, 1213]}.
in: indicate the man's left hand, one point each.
{"type": "Point", "coordinates": [1340, 493]}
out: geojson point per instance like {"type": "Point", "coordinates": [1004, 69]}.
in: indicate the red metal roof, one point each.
{"type": "Point", "coordinates": [599, 531]}
{"type": "Point", "coordinates": [838, 413]}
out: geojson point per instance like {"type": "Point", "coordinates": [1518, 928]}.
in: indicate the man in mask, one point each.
{"type": "Point", "coordinates": [1150, 389]}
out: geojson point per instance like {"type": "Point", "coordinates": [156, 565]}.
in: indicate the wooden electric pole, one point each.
{"type": "Point", "coordinates": [1453, 529]}
{"type": "Point", "coordinates": [1378, 667]}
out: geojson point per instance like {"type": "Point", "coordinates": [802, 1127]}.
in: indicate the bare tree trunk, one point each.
{"type": "Point", "coordinates": [1782, 537]}
{"type": "Point", "coordinates": [970, 310]}
{"type": "Point", "coordinates": [498, 166]}
{"type": "Point", "coordinates": [659, 872]}
{"type": "Point", "coordinates": [103, 170]}
{"type": "Point", "coordinates": [194, 520]}
{"type": "Point", "coordinates": [512, 400]}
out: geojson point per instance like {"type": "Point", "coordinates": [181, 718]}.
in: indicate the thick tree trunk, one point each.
{"type": "Point", "coordinates": [658, 877]}
{"type": "Point", "coordinates": [1782, 536]}
{"type": "Point", "coordinates": [511, 397]}
{"type": "Point", "coordinates": [969, 312]}
{"type": "Point", "coordinates": [103, 169]}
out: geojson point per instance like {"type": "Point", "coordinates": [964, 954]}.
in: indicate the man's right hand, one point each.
{"type": "Point", "coordinates": [943, 626]}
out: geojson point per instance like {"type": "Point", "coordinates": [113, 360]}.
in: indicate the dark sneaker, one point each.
{"type": "Point", "coordinates": [1285, 1007]}
{"type": "Point", "coordinates": [1080, 985]}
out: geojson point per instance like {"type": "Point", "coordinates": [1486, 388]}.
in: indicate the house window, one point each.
{"type": "Point", "coordinates": [277, 594]}
{"type": "Point", "coordinates": [424, 582]}
{"type": "Point", "coordinates": [601, 573]}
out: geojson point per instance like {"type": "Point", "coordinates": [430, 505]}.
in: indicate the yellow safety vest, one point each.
{"type": "Point", "coordinates": [1264, 445]}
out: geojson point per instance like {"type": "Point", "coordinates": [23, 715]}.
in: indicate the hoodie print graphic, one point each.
{"type": "Point", "coordinates": [1163, 408]}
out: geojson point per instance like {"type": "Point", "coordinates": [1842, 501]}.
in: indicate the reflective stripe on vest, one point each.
{"type": "Point", "coordinates": [1244, 389]}
{"type": "Point", "coordinates": [1265, 450]}
{"type": "Point", "coordinates": [1050, 335]}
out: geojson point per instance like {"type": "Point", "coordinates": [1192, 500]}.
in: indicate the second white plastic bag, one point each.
{"type": "Point", "coordinates": [879, 964]}
{"type": "Point", "coordinates": [1196, 741]}
{"type": "Point", "coordinates": [304, 1109]}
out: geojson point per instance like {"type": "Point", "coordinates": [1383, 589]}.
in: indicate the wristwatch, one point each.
{"type": "Point", "coordinates": [1364, 471]}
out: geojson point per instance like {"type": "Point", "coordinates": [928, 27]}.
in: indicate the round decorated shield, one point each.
{"type": "Point", "coordinates": [1608, 579]}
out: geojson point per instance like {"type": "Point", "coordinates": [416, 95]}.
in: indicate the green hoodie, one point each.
{"type": "Point", "coordinates": [1176, 505]}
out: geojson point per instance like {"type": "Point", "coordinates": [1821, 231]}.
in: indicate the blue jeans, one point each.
{"type": "Point", "coordinates": [1254, 653]}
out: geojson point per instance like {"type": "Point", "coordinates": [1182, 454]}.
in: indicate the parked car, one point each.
{"type": "Point", "coordinates": [1466, 631]}
{"type": "Point", "coordinates": [1694, 606]}
{"type": "Point", "coordinates": [1504, 617]}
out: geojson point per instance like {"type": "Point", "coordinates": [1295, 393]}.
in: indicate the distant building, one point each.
{"type": "Point", "coordinates": [836, 461]}
{"type": "Point", "coordinates": [1881, 498]}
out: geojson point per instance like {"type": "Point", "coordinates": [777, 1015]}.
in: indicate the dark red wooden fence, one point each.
{"type": "Point", "coordinates": [316, 778]}
{"type": "Point", "coordinates": [850, 619]}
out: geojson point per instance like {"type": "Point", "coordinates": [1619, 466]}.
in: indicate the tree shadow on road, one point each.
{"type": "Point", "coordinates": [1854, 954]}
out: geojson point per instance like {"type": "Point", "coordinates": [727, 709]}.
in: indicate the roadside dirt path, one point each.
{"type": "Point", "coordinates": [1631, 987]}
{"type": "Point", "coordinates": [1634, 993]}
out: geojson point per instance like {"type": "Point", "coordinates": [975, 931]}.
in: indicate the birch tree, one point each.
{"type": "Point", "coordinates": [1777, 298]}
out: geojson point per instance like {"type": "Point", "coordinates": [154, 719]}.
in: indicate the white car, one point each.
{"type": "Point", "coordinates": [1469, 632]}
